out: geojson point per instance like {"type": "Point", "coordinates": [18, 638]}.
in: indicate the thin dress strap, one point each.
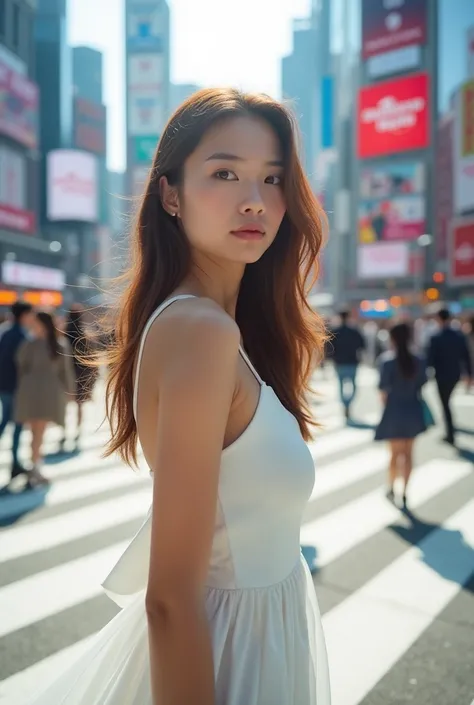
{"type": "Point", "coordinates": [149, 324]}
{"type": "Point", "coordinates": [249, 364]}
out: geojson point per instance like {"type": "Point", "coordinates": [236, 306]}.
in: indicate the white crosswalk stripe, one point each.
{"type": "Point", "coordinates": [369, 629]}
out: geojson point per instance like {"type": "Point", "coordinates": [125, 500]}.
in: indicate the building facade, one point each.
{"type": "Point", "coordinates": [30, 267]}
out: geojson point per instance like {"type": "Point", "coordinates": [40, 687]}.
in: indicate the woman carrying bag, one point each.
{"type": "Point", "coordinates": [406, 414]}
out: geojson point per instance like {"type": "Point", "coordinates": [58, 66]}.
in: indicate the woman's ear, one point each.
{"type": "Point", "coordinates": [169, 197]}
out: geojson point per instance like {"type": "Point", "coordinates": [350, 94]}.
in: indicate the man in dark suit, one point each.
{"type": "Point", "coordinates": [448, 355]}
{"type": "Point", "coordinates": [345, 349]}
{"type": "Point", "coordinates": [10, 341]}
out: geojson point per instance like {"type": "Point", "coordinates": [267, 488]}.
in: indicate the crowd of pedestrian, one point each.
{"type": "Point", "coordinates": [42, 369]}
{"type": "Point", "coordinates": [441, 351]}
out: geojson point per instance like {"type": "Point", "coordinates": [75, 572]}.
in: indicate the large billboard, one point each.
{"type": "Point", "coordinates": [391, 24]}
{"type": "Point", "coordinates": [463, 160]}
{"type": "Point", "coordinates": [18, 107]}
{"type": "Point", "coordinates": [146, 74]}
{"type": "Point", "coordinates": [72, 186]}
{"type": "Point", "coordinates": [383, 260]}
{"type": "Point", "coordinates": [90, 126]}
{"type": "Point", "coordinates": [461, 257]}
{"type": "Point", "coordinates": [392, 203]}
{"type": "Point", "coordinates": [393, 116]}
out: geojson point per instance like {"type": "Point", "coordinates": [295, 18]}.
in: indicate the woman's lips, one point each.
{"type": "Point", "coordinates": [248, 234]}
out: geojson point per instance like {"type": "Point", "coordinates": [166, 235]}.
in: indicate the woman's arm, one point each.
{"type": "Point", "coordinates": [196, 370]}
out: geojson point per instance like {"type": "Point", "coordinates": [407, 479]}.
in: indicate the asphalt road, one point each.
{"type": "Point", "coordinates": [395, 589]}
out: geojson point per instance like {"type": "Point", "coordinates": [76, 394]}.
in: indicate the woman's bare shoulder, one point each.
{"type": "Point", "coordinates": [191, 325]}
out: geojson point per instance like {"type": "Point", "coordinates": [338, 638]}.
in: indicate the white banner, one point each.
{"type": "Point", "coordinates": [72, 183]}
{"type": "Point", "coordinates": [146, 114]}
{"type": "Point", "coordinates": [31, 275]}
{"type": "Point", "coordinates": [383, 259]}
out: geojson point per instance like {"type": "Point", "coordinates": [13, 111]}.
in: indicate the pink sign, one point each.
{"type": "Point", "coordinates": [17, 219]}
{"type": "Point", "coordinates": [18, 107]}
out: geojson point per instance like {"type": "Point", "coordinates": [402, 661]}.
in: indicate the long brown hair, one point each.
{"type": "Point", "coordinates": [52, 341]}
{"type": "Point", "coordinates": [282, 335]}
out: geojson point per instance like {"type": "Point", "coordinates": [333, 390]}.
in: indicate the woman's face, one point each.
{"type": "Point", "coordinates": [37, 329]}
{"type": "Point", "coordinates": [231, 202]}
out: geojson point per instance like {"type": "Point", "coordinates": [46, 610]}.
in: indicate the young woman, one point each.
{"type": "Point", "coordinates": [82, 348]}
{"type": "Point", "coordinates": [402, 375]}
{"type": "Point", "coordinates": [214, 349]}
{"type": "Point", "coordinates": [45, 385]}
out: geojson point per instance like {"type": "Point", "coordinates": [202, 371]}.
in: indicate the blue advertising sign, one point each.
{"type": "Point", "coordinates": [144, 26]}
{"type": "Point", "coordinates": [327, 112]}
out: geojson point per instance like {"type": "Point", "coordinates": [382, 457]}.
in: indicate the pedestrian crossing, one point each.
{"type": "Point", "coordinates": [389, 583]}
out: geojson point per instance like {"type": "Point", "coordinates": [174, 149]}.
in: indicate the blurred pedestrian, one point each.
{"type": "Point", "coordinates": [448, 356]}
{"type": "Point", "coordinates": [402, 376]}
{"type": "Point", "coordinates": [82, 347]}
{"type": "Point", "coordinates": [345, 349]}
{"type": "Point", "coordinates": [45, 384]}
{"type": "Point", "coordinates": [13, 336]}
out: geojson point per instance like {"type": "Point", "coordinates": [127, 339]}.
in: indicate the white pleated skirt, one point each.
{"type": "Point", "coordinates": [268, 647]}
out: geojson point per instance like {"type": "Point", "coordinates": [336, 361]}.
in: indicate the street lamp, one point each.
{"type": "Point", "coordinates": [421, 243]}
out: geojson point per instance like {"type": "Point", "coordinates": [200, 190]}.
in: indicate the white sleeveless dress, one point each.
{"type": "Point", "coordinates": [264, 621]}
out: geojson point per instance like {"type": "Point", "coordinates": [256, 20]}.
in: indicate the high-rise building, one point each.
{"type": "Point", "coordinates": [90, 135]}
{"type": "Point", "coordinates": [28, 266]}
{"type": "Point", "coordinates": [405, 81]}
{"type": "Point", "coordinates": [298, 75]}
{"type": "Point", "coordinates": [147, 28]}
{"type": "Point", "coordinates": [70, 206]}
{"type": "Point", "coordinates": [88, 73]}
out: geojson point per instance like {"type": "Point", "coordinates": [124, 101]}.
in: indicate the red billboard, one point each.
{"type": "Point", "coordinates": [388, 25]}
{"type": "Point", "coordinates": [461, 258]}
{"type": "Point", "coordinates": [393, 116]}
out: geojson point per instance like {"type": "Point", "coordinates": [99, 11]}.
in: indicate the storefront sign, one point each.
{"type": "Point", "coordinates": [72, 185]}
{"type": "Point", "coordinates": [393, 116]}
{"type": "Point", "coordinates": [89, 126]}
{"type": "Point", "coordinates": [382, 260]}
{"type": "Point", "coordinates": [462, 251]}
{"type": "Point", "coordinates": [31, 275]}
{"type": "Point", "coordinates": [392, 202]}
{"type": "Point", "coordinates": [17, 219]}
{"type": "Point", "coordinates": [391, 24]}
{"type": "Point", "coordinates": [18, 107]}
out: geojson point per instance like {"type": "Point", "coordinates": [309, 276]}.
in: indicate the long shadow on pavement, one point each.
{"type": "Point", "coordinates": [446, 556]}
{"type": "Point", "coordinates": [14, 505]}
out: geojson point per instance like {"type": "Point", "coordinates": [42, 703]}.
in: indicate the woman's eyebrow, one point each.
{"type": "Point", "coordinates": [226, 156]}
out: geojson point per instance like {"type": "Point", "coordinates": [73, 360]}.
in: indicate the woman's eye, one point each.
{"type": "Point", "coordinates": [274, 180]}
{"type": "Point", "coordinates": [225, 175]}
